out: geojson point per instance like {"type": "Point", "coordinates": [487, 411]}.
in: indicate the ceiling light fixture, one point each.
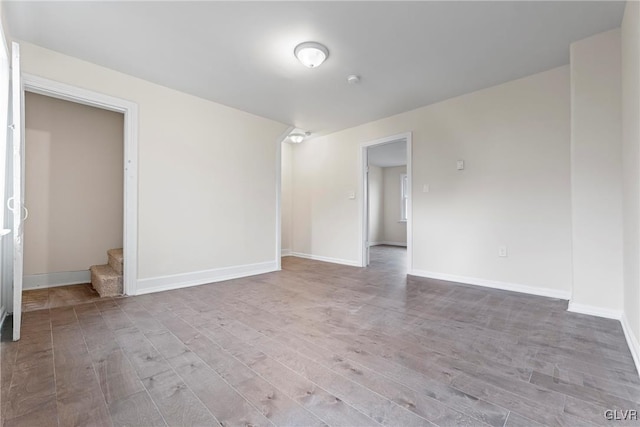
{"type": "Point", "coordinates": [296, 137]}
{"type": "Point", "coordinates": [311, 54]}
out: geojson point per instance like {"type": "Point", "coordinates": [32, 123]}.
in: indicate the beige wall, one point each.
{"type": "Point", "coordinates": [515, 190]}
{"type": "Point", "coordinates": [596, 164]}
{"type": "Point", "coordinates": [395, 231]}
{"type": "Point", "coordinates": [325, 221]}
{"type": "Point", "coordinates": [286, 202]}
{"type": "Point", "coordinates": [206, 176]}
{"type": "Point", "coordinates": [631, 163]}
{"type": "Point", "coordinates": [73, 185]}
{"type": "Point", "coordinates": [376, 205]}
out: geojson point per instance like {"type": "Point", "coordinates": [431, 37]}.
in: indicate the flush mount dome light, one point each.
{"type": "Point", "coordinates": [296, 138]}
{"type": "Point", "coordinates": [311, 54]}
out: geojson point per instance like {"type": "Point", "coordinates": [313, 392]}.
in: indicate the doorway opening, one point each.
{"type": "Point", "coordinates": [73, 188]}
{"type": "Point", "coordinates": [386, 210]}
{"type": "Point", "coordinates": [13, 249]}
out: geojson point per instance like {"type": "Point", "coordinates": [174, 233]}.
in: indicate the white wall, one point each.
{"type": "Point", "coordinates": [286, 201]}
{"type": "Point", "coordinates": [596, 164]}
{"type": "Point", "coordinates": [631, 167]}
{"type": "Point", "coordinates": [515, 190]}
{"type": "Point", "coordinates": [395, 231]}
{"type": "Point", "coordinates": [74, 172]}
{"type": "Point", "coordinates": [376, 205]}
{"type": "Point", "coordinates": [207, 176]}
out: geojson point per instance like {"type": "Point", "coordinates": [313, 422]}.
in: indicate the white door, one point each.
{"type": "Point", "coordinates": [17, 198]}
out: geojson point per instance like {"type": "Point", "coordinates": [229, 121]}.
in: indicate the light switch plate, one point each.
{"type": "Point", "coordinates": [460, 165]}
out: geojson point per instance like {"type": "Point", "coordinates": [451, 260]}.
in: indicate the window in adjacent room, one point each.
{"type": "Point", "coordinates": [404, 196]}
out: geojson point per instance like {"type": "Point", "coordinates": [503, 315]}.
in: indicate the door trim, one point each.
{"type": "Point", "coordinates": [279, 141]}
{"type": "Point", "coordinates": [79, 95]}
{"type": "Point", "coordinates": [17, 172]}
{"type": "Point", "coordinates": [362, 209]}
{"type": "Point", "coordinates": [6, 286]}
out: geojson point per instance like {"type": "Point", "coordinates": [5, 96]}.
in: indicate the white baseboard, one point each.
{"type": "Point", "coordinates": [594, 311]}
{"type": "Point", "coordinates": [388, 243]}
{"type": "Point", "coordinates": [632, 342]}
{"type": "Point", "coordinates": [50, 280]}
{"type": "Point", "coordinates": [404, 244]}
{"type": "Point", "coordinates": [514, 287]}
{"type": "Point", "coordinates": [177, 281]}
{"type": "Point", "coordinates": [285, 252]}
{"type": "Point", "coordinates": [326, 259]}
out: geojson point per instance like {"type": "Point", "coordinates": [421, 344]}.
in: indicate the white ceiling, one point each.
{"type": "Point", "coordinates": [240, 54]}
{"type": "Point", "coordinates": [388, 155]}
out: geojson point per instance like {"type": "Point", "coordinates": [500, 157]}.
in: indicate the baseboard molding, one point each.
{"type": "Point", "coordinates": [326, 259]}
{"type": "Point", "coordinates": [285, 252]}
{"type": "Point", "coordinates": [632, 342]}
{"type": "Point", "coordinates": [395, 244]}
{"type": "Point", "coordinates": [505, 286]}
{"type": "Point", "coordinates": [594, 311]}
{"type": "Point", "coordinates": [51, 280]}
{"type": "Point", "coordinates": [388, 243]}
{"type": "Point", "coordinates": [178, 281]}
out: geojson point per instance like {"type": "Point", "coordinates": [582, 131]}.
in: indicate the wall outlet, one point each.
{"type": "Point", "coordinates": [425, 188]}
{"type": "Point", "coordinates": [460, 165]}
{"type": "Point", "coordinates": [502, 251]}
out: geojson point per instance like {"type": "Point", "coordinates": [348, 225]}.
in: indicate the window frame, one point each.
{"type": "Point", "coordinates": [404, 197]}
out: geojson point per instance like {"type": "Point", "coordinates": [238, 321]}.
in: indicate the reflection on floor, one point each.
{"type": "Point", "coordinates": [61, 296]}
{"type": "Point", "coordinates": [318, 344]}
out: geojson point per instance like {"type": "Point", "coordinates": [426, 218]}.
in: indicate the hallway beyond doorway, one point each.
{"type": "Point", "coordinates": [388, 258]}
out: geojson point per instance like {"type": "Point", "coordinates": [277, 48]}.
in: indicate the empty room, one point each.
{"type": "Point", "coordinates": [319, 213]}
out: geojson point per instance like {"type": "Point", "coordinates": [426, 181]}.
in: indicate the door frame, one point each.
{"type": "Point", "coordinates": [6, 303]}
{"type": "Point", "coordinates": [363, 208]}
{"type": "Point", "coordinates": [279, 141]}
{"type": "Point", "coordinates": [17, 171]}
{"type": "Point", "coordinates": [129, 109]}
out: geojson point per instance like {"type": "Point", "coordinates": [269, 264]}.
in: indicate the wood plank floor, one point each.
{"type": "Point", "coordinates": [318, 344]}
{"type": "Point", "coordinates": [60, 296]}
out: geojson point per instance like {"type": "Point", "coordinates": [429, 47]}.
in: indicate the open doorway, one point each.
{"type": "Point", "coordinates": [73, 179]}
{"type": "Point", "coordinates": [387, 203]}
{"type": "Point", "coordinates": [16, 213]}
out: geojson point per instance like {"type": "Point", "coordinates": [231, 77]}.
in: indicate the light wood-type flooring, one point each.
{"type": "Point", "coordinates": [318, 344]}
{"type": "Point", "coordinates": [61, 296]}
